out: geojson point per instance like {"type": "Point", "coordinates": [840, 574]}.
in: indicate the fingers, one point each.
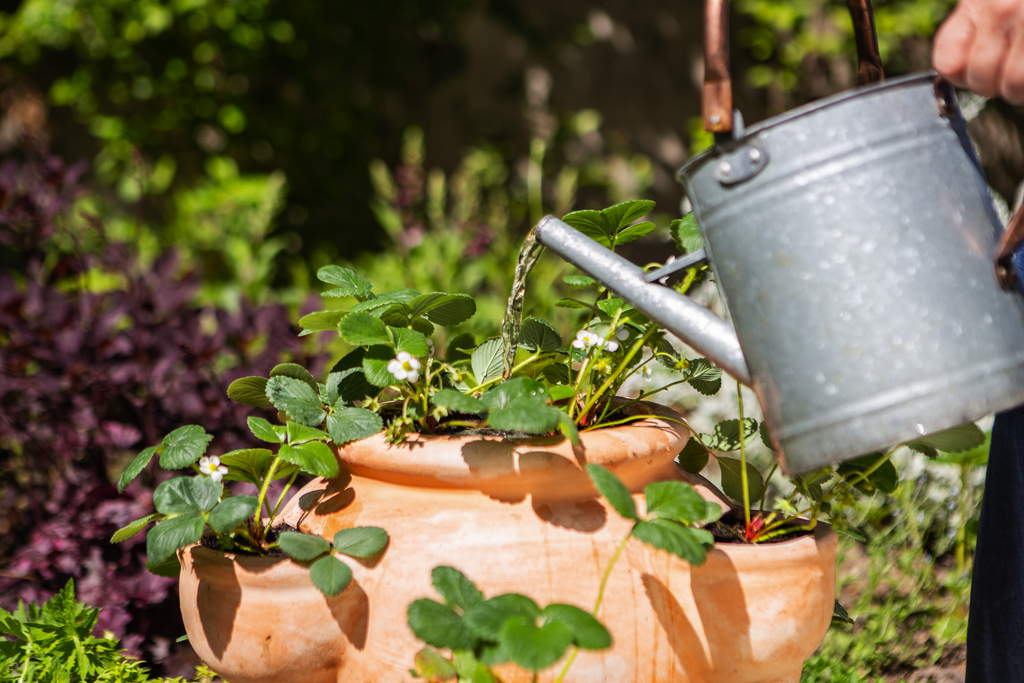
{"type": "Point", "coordinates": [985, 65]}
{"type": "Point", "coordinates": [1012, 87]}
{"type": "Point", "coordinates": [954, 44]}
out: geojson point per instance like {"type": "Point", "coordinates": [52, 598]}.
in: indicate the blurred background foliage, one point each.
{"type": "Point", "coordinates": [174, 171]}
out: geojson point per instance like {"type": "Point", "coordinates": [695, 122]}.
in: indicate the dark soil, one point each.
{"type": "Point", "coordinates": [272, 534]}
{"type": "Point", "coordinates": [733, 519]}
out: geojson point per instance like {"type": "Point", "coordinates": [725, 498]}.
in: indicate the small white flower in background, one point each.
{"type": "Point", "coordinates": [611, 346]}
{"type": "Point", "coordinates": [585, 338]}
{"type": "Point", "coordinates": [211, 467]}
{"type": "Point", "coordinates": [622, 334]}
{"type": "Point", "coordinates": [646, 373]}
{"type": "Point", "coordinates": [404, 367]}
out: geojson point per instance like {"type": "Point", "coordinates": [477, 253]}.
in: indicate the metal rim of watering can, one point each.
{"type": "Point", "coordinates": [716, 96]}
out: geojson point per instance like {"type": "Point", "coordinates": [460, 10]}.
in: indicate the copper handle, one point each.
{"type": "Point", "coordinates": [716, 99]}
{"type": "Point", "coordinates": [1008, 243]}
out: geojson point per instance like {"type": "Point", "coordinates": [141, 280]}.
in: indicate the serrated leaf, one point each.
{"type": "Point", "coordinates": [295, 371]}
{"type": "Point", "coordinates": [614, 491]}
{"type": "Point", "coordinates": [302, 547]}
{"type": "Point", "coordinates": [689, 544]}
{"type": "Point", "coordinates": [445, 310]}
{"type": "Point", "coordinates": [885, 478]}
{"type": "Point", "coordinates": [558, 373]}
{"type": "Point", "coordinates": [620, 215]}
{"type": "Point", "coordinates": [459, 347]}
{"type": "Point", "coordinates": [592, 224]}
{"type": "Point", "coordinates": [455, 588]}
{"type": "Point", "coordinates": [410, 341]}
{"type": "Point", "coordinates": [956, 440]}
{"type": "Point", "coordinates": [174, 496]}
{"type": "Point", "coordinates": [766, 438]}
{"type": "Point", "coordinates": [487, 359]}
{"type": "Point", "coordinates": [610, 307]}
{"type": "Point", "coordinates": [704, 377]}
{"type": "Point", "coordinates": [438, 625]}
{"type": "Point", "coordinates": [250, 391]}
{"type": "Point", "coordinates": [378, 305]}
{"type": "Point", "coordinates": [361, 541]}
{"type": "Point", "coordinates": [347, 281]}
{"type": "Point", "coordinates": [579, 281]}
{"type": "Point", "coordinates": [135, 467]}
{"type": "Point", "coordinates": [486, 618]}
{"type": "Point", "coordinates": [184, 446]}
{"type": "Point", "coordinates": [674, 500]}
{"type": "Point", "coordinates": [587, 632]}
{"type": "Point", "coordinates": [732, 482]}
{"type": "Point", "coordinates": [472, 670]}
{"type": "Point", "coordinates": [133, 528]}
{"type": "Point", "coordinates": [231, 512]}
{"type": "Point", "coordinates": [694, 457]}
{"type": "Point", "coordinates": [300, 433]}
{"type": "Point", "coordinates": [169, 568]}
{"type": "Point", "coordinates": [262, 430]}
{"type": "Point", "coordinates": [375, 366]}
{"type": "Point", "coordinates": [346, 425]}
{"type": "Point", "coordinates": [539, 335]}
{"type": "Point", "coordinates": [363, 329]}
{"type": "Point", "coordinates": [726, 434]}
{"type": "Point", "coordinates": [633, 233]}
{"type": "Point", "coordinates": [205, 492]}
{"type": "Point", "coordinates": [524, 414]}
{"type": "Point", "coordinates": [459, 402]}
{"type": "Point", "coordinates": [299, 400]}
{"type": "Point", "coordinates": [577, 304]}
{"type": "Point", "coordinates": [330, 575]}
{"type": "Point", "coordinates": [252, 465]}
{"type": "Point", "coordinates": [506, 392]}
{"type": "Point", "coordinates": [314, 457]}
{"type": "Point", "coordinates": [321, 321]}
{"type": "Point", "coordinates": [350, 384]}
{"type": "Point", "coordinates": [166, 537]}
{"type": "Point", "coordinates": [433, 667]}
{"type": "Point", "coordinates": [686, 234]}
{"type": "Point", "coordinates": [840, 615]}
{"type": "Point", "coordinates": [533, 647]}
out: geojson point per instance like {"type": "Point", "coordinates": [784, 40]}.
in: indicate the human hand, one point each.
{"type": "Point", "coordinates": [981, 47]}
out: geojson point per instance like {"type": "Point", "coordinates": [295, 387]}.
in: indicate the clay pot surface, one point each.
{"type": "Point", "coordinates": [517, 516]}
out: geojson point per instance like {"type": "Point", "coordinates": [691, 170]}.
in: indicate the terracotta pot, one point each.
{"type": "Point", "coordinates": [520, 516]}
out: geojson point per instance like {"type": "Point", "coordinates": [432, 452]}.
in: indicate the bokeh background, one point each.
{"type": "Point", "coordinates": [174, 172]}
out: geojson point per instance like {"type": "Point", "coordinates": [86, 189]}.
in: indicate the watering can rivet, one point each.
{"type": "Point", "coordinates": [754, 154]}
{"type": "Point", "coordinates": [715, 119]}
{"type": "Point", "coordinates": [920, 429]}
{"type": "Point", "coordinates": [725, 168]}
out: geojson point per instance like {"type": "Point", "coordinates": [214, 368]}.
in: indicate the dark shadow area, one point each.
{"type": "Point", "coordinates": [584, 515]}
{"type": "Point", "coordinates": [351, 609]}
{"type": "Point", "coordinates": [495, 460]}
{"type": "Point", "coordinates": [218, 602]}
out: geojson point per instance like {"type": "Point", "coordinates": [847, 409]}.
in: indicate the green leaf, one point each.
{"type": "Point", "coordinates": [956, 440]}
{"type": "Point", "coordinates": [314, 457]}
{"type": "Point", "coordinates": [296, 398]}
{"type": "Point", "coordinates": [330, 575]}
{"type": "Point", "coordinates": [410, 341]}
{"type": "Point", "coordinates": [840, 615]}
{"type": "Point", "coordinates": [445, 310]}
{"type": "Point", "coordinates": [704, 377]}
{"type": "Point", "coordinates": [166, 537]}
{"type": "Point", "coordinates": [592, 224]}
{"type": "Point", "coordinates": [361, 541]}
{"type": "Point", "coordinates": [459, 402]}
{"type": "Point", "coordinates": [184, 446]}
{"type": "Point", "coordinates": [231, 512]}
{"type": "Point", "coordinates": [525, 414]}
{"type": "Point", "coordinates": [252, 465]}
{"type": "Point", "coordinates": [633, 233]}
{"type": "Point", "coordinates": [487, 360]}
{"type": "Point", "coordinates": [577, 304]}
{"type": "Point", "coordinates": [689, 544]}
{"type": "Point", "coordinates": [348, 283]}
{"type": "Point", "coordinates": [732, 482]}
{"type": "Point", "coordinates": [694, 457]}
{"type": "Point", "coordinates": [458, 347]}
{"type": "Point", "coordinates": [674, 500]}
{"type": "Point", "coordinates": [438, 625]}
{"type": "Point", "coordinates": [205, 492]}
{"type": "Point", "coordinates": [132, 529]}
{"type": "Point", "coordinates": [472, 670]}
{"type": "Point", "coordinates": [686, 234]}
{"type": "Point", "coordinates": [558, 373]}
{"type": "Point", "coordinates": [519, 387]}
{"type": "Point", "coordinates": [321, 321]}
{"type": "Point", "coordinates": [379, 305]}
{"type": "Point", "coordinates": [363, 329]}
{"type": "Point", "coordinates": [587, 632]}
{"type": "Point", "coordinates": [613, 490]}
{"type": "Point", "coordinates": [612, 306]}
{"type": "Point", "coordinates": [539, 335]}
{"type": "Point", "coordinates": [885, 478]}
{"type": "Point", "coordinates": [766, 438]}
{"type": "Point", "coordinates": [975, 457]}
{"type": "Point", "coordinates": [250, 391]}
{"type": "Point", "coordinates": [486, 618]}
{"type": "Point", "coordinates": [535, 648]}
{"type": "Point", "coordinates": [302, 547]}
{"type": "Point", "coordinates": [262, 430]}
{"type": "Point", "coordinates": [726, 435]}
{"type": "Point", "coordinates": [295, 371]}
{"type": "Point", "coordinates": [300, 433]}
{"type": "Point", "coordinates": [432, 666]}
{"type": "Point", "coordinates": [346, 425]}
{"type": "Point", "coordinates": [350, 384]}
{"type": "Point", "coordinates": [622, 214]}
{"type": "Point", "coordinates": [174, 496]}
{"type": "Point", "coordinates": [375, 366]}
{"type": "Point", "coordinates": [135, 467]}
{"type": "Point", "coordinates": [455, 588]}
{"type": "Point", "coordinates": [579, 281]}
{"type": "Point", "coordinates": [170, 567]}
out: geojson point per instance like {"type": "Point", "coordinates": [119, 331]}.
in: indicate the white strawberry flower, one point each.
{"type": "Point", "coordinates": [404, 367]}
{"type": "Point", "coordinates": [585, 338]}
{"type": "Point", "coordinates": [211, 467]}
{"type": "Point", "coordinates": [611, 346]}
{"type": "Point", "coordinates": [622, 334]}
{"type": "Point", "coordinates": [646, 373]}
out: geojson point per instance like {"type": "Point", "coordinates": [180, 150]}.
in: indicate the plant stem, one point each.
{"type": "Point", "coordinates": [961, 527]}
{"type": "Point", "coordinates": [764, 495]}
{"type": "Point", "coordinates": [743, 457]}
{"type": "Point", "coordinates": [263, 493]}
{"type": "Point", "coordinates": [637, 346]}
{"type": "Point", "coordinates": [280, 498]}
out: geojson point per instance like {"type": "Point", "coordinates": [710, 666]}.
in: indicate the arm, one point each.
{"type": "Point", "coordinates": [981, 47]}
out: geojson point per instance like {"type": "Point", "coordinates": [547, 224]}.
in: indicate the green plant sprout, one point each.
{"type": "Point", "coordinates": [511, 627]}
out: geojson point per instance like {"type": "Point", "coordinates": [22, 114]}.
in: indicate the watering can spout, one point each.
{"type": "Point", "coordinates": [694, 324]}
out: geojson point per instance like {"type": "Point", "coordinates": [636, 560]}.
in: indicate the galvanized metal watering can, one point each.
{"type": "Point", "coordinates": [861, 259]}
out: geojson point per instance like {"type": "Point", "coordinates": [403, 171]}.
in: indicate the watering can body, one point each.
{"type": "Point", "coordinates": [853, 241]}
